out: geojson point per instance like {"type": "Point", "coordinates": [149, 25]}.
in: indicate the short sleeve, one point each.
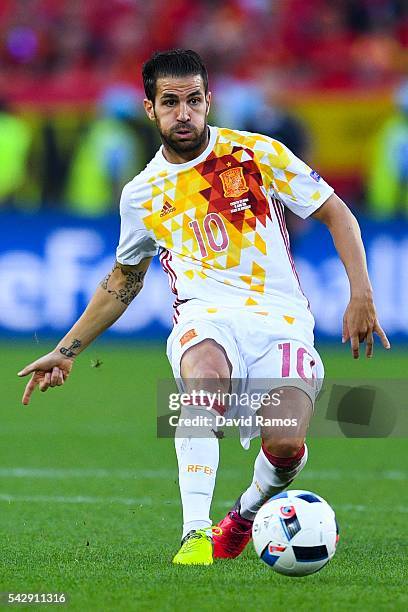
{"type": "Point", "coordinates": [299, 187]}
{"type": "Point", "coordinates": [135, 242]}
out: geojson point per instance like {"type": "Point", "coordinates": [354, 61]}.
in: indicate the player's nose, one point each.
{"type": "Point", "coordinates": [183, 114]}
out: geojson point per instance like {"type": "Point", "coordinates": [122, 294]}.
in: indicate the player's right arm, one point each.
{"type": "Point", "coordinates": [110, 300]}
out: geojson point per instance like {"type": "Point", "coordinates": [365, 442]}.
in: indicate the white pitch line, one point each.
{"type": "Point", "coordinates": [148, 501]}
{"type": "Point", "coordinates": [76, 499]}
{"type": "Point", "coordinates": [66, 473]}
{"type": "Point", "coordinates": [129, 474]}
{"type": "Point", "coordinates": [370, 509]}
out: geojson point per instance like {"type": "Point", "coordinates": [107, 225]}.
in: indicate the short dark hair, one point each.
{"type": "Point", "coordinates": [175, 63]}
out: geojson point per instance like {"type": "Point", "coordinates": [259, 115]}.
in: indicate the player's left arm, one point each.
{"type": "Point", "coordinates": [360, 319]}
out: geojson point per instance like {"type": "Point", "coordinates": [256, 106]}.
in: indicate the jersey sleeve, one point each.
{"type": "Point", "coordinates": [299, 187]}
{"type": "Point", "coordinates": [135, 242]}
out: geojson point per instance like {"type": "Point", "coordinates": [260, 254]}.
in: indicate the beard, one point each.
{"type": "Point", "coordinates": [180, 146]}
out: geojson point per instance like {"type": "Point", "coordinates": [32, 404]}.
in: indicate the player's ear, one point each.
{"type": "Point", "coordinates": [149, 108]}
{"type": "Point", "coordinates": [208, 101]}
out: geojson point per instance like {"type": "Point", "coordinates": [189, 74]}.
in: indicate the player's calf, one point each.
{"type": "Point", "coordinates": [272, 474]}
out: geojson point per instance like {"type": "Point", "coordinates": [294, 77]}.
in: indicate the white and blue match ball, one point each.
{"type": "Point", "coordinates": [295, 533]}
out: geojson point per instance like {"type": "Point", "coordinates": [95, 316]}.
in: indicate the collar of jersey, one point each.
{"type": "Point", "coordinates": [196, 160]}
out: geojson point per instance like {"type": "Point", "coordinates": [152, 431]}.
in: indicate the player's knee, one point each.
{"type": "Point", "coordinates": [205, 361]}
{"type": "Point", "coordinates": [209, 379]}
{"type": "Point", "coordinates": [283, 447]}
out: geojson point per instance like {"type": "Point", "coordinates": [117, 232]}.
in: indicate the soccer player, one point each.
{"type": "Point", "coordinates": [211, 203]}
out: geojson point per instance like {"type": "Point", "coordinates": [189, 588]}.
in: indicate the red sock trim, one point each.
{"type": "Point", "coordinates": [284, 462]}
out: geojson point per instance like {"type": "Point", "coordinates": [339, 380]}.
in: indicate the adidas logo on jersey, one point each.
{"type": "Point", "coordinates": [167, 209]}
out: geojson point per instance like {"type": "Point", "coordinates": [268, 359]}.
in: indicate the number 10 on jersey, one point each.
{"type": "Point", "coordinates": [214, 233]}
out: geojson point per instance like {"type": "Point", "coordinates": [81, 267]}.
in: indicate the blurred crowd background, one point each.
{"type": "Point", "coordinates": [326, 77]}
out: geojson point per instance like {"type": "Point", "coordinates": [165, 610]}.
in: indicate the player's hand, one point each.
{"type": "Point", "coordinates": [51, 370]}
{"type": "Point", "coordinates": [360, 322]}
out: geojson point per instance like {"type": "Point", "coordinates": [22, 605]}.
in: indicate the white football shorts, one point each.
{"type": "Point", "coordinates": [263, 350]}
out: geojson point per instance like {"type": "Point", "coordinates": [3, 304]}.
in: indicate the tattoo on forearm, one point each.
{"type": "Point", "coordinates": [70, 351]}
{"type": "Point", "coordinates": [133, 284]}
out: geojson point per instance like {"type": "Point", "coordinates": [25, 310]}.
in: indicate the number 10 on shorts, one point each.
{"type": "Point", "coordinates": [295, 360]}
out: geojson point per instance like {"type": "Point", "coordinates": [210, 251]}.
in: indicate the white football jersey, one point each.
{"type": "Point", "coordinates": [218, 223]}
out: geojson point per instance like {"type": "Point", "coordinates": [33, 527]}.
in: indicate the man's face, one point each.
{"type": "Point", "coordinates": [180, 111]}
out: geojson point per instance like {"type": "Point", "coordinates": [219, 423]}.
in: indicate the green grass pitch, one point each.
{"type": "Point", "coordinates": [89, 501]}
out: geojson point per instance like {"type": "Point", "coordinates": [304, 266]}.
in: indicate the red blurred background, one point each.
{"type": "Point", "coordinates": [331, 66]}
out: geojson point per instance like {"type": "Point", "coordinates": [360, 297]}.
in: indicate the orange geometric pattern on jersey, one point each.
{"type": "Point", "coordinates": [201, 190]}
{"type": "Point", "coordinates": [232, 182]}
{"type": "Point", "coordinates": [218, 223]}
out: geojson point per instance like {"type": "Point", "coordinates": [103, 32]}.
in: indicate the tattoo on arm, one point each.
{"type": "Point", "coordinates": [70, 351]}
{"type": "Point", "coordinates": [133, 284]}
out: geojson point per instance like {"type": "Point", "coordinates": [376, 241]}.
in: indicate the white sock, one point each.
{"type": "Point", "coordinates": [268, 481]}
{"type": "Point", "coordinates": [198, 462]}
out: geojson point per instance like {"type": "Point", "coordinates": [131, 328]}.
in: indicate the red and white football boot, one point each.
{"type": "Point", "coordinates": [236, 532]}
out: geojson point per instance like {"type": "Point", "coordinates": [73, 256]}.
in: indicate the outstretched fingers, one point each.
{"type": "Point", "coordinates": [44, 380]}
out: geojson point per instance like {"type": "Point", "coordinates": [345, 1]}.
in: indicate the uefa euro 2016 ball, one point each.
{"type": "Point", "coordinates": [295, 532]}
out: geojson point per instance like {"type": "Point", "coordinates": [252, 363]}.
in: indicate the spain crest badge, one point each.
{"type": "Point", "coordinates": [233, 182]}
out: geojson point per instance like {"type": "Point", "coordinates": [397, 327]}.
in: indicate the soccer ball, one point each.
{"type": "Point", "coordinates": [295, 532]}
